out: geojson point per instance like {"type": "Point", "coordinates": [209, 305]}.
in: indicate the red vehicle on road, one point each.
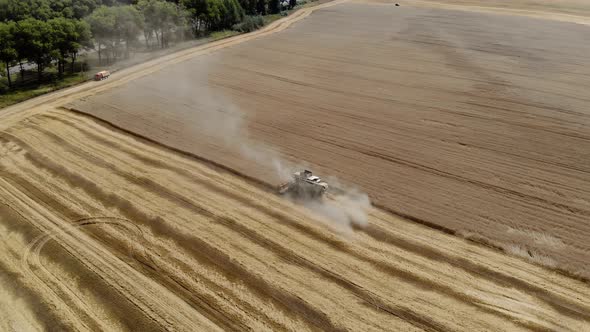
{"type": "Point", "coordinates": [101, 75]}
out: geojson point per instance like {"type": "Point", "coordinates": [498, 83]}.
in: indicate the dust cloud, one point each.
{"type": "Point", "coordinates": [344, 211]}
{"type": "Point", "coordinates": [217, 116]}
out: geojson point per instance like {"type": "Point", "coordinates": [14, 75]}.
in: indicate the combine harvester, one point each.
{"type": "Point", "coordinates": [344, 209]}
{"type": "Point", "coordinates": [305, 186]}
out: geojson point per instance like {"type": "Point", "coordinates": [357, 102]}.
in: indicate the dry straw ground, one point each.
{"type": "Point", "coordinates": [103, 230]}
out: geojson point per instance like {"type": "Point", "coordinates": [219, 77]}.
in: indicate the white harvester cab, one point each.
{"type": "Point", "coordinates": [305, 185]}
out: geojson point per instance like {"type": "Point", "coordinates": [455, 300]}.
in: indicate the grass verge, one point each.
{"type": "Point", "coordinates": [268, 19]}
{"type": "Point", "coordinates": [223, 34]}
{"type": "Point", "coordinates": [15, 96]}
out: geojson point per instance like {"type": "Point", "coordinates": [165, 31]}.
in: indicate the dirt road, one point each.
{"type": "Point", "coordinates": [474, 121]}
{"type": "Point", "coordinates": [104, 231]}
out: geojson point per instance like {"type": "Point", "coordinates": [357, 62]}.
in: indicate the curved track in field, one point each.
{"type": "Point", "coordinates": [208, 250]}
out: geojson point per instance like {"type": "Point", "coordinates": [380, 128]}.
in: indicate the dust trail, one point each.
{"type": "Point", "coordinates": [343, 212]}
{"type": "Point", "coordinates": [216, 115]}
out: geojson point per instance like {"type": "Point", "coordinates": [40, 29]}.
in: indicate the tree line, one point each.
{"type": "Point", "coordinates": [52, 32]}
{"type": "Point", "coordinates": [42, 42]}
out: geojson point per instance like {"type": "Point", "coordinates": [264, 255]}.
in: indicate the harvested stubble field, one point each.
{"type": "Point", "coordinates": [104, 230]}
{"type": "Point", "coordinates": [476, 122]}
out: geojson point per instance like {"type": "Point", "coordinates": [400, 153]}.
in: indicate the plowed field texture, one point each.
{"type": "Point", "coordinates": [456, 143]}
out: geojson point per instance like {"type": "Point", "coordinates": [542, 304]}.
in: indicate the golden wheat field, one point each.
{"type": "Point", "coordinates": [104, 231]}
{"type": "Point", "coordinates": [147, 202]}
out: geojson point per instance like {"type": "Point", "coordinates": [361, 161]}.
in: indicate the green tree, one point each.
{"type": "Point", "coordinates": [8, 52]}
{"type": "Point", "coordinates": [274, 6]}
{"type": "Point", "coordinates": [214, 14]}
{"type": "Point", "coordinates": [62, 33]}
{"type": "Point", "coordinates": [17, 10]}
{"type": "Point", "coordinates": [83, 8]}
{"type": "Point", "coordinates": [249, 6]}
{"type": "Point", "coordinates": [61, 8]}
{"type": "Point", "coordinates": [84, 36]}
{"type": "Point", "coordinates": [261, 7]}
{"type": "Point", "coordinates": [102, 24]}
{"type": "Point", "coordinates": [292, 4]}
{"type": "Point", "coordinates": [68, 37]}
{"type": "Point", "coordinates": [149, 11]}
{"type": "Point", "coordinates": [234, 13]}
{"type": "Point", "coordinates": [197, 11]}
{"type": "Point", "coordinates": [129, 23]}
{"type": "Point", "coordinates": [162, 18]}
{"type": "Point", "coordinates": [34, 42]}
